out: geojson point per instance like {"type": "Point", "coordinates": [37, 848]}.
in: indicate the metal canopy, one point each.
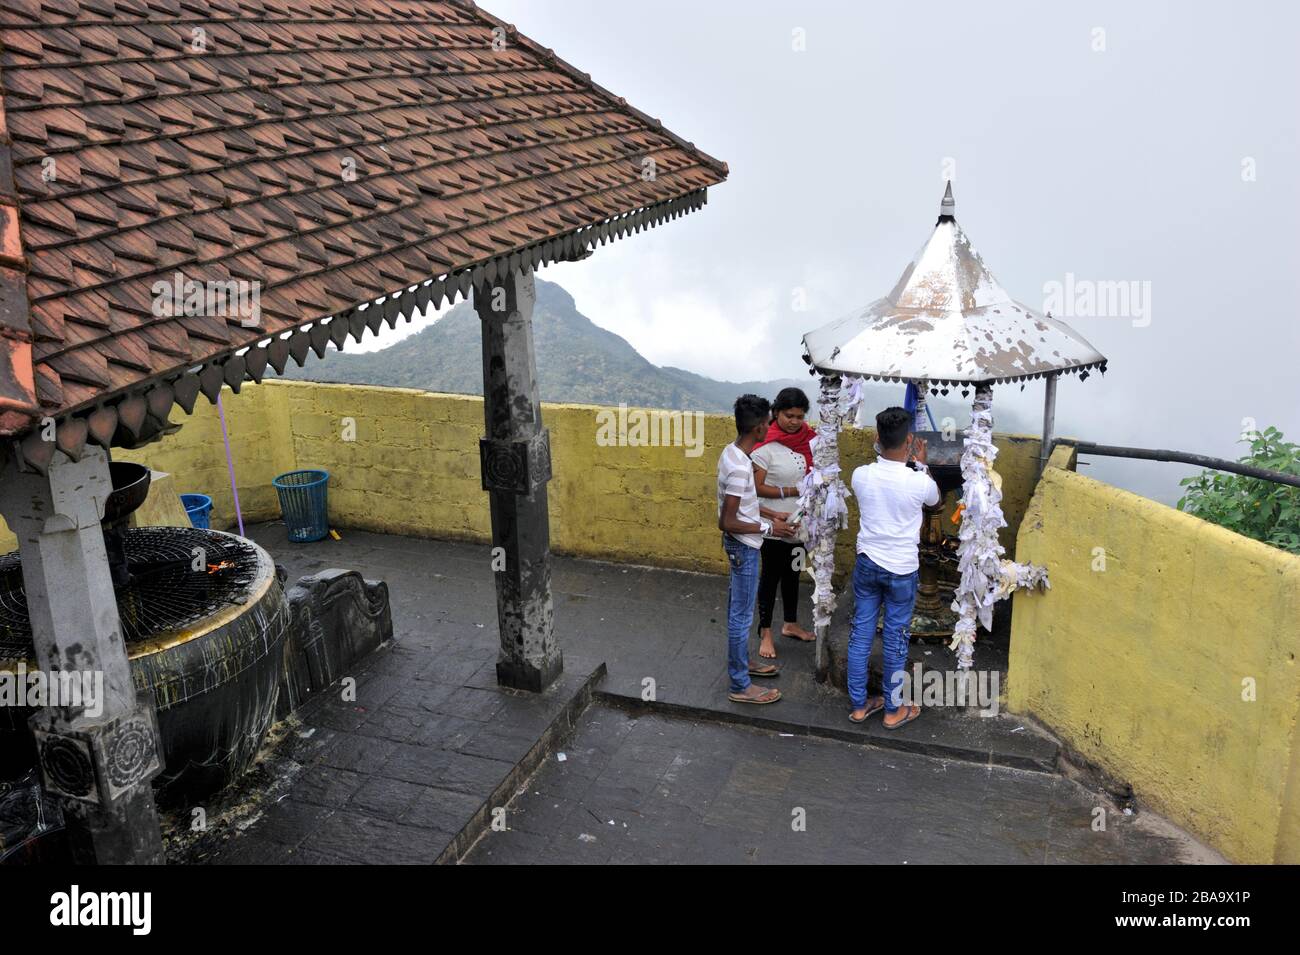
{"type": "Point", "coordinates": [948, 321]}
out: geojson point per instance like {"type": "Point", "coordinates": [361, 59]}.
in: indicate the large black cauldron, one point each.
{"type": "Point", "coordinates": [204, 618]}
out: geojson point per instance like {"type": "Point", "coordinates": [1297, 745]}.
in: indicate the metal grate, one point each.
{"type": "Point", "coordinates": [165, 591]}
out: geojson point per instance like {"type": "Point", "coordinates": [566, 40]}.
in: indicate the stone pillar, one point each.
{"type": "Point", "coordinates": [99, 756]}
{"type": "Point", "coordinates": [515, 459]}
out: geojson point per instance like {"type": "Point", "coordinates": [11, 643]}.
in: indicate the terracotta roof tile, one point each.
{"type": "Point", "coordinates": [332, 151]}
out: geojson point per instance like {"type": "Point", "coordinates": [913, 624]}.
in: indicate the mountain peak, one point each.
{"type": "Point", "coordinates": [556, 297]}
{"type": "Point", "coordinates": [577, 361]}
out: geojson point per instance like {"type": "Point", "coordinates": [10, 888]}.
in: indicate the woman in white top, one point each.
{"type": "Point", "coordinates": [780, 462]}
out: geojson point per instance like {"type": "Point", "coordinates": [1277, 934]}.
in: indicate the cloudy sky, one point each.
{"type": "Point", "coordinates": [1152, 143]}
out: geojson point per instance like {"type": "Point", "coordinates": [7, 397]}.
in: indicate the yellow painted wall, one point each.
{"type": "Point", "coordinates": [196, 458]}
{"type": "Point", "coordinates": [413, 468]}
{"type": "Point", "coordinates": [1140, 667]}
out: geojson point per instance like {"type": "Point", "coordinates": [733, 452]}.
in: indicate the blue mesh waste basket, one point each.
{"type": "Point", "coordinates": [304, 504]}
{"type": "Point", "coordinates": [198, 508]}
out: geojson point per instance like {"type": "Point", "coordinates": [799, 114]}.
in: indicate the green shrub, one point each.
{"type": "Point", "coordinates": [1263, 510]}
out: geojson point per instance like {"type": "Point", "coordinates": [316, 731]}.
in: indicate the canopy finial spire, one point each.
{"type": "Point", "coordinates": [948, 207]}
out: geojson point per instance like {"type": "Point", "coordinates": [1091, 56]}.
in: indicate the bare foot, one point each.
{"type": "Point", "coordinates": [766, 648]}
{"type": "Point", "coordinates": [797, 632]}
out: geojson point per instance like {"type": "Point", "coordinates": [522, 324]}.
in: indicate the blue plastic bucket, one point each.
{"type": "Point", "coordinates": [304, 504]}
{"type": "Point", "coordinates": [198, 508]}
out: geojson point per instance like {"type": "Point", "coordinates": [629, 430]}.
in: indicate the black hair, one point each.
{"type": "Point", "coordinates": [751, 411]}
{"type": "Point", "coordinates": [892, 428]}
{"type": "Point", "coordinates": [790, 398]}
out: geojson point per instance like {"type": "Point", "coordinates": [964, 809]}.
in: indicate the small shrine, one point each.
{"type": "Point", "coordinates": [947, 324]}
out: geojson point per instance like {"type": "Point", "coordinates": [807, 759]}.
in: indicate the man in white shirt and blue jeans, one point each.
{"type": "Point", "coordinates": [743, 523]}
{"type": "Point", "coordinates": [891, 494]}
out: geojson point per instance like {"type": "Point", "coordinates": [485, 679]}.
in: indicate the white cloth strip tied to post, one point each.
{"type": "Point", "coordinates": [823, 497]}
{"type": "Point", "coordinates": [921, 420]}
{"type": "Point", "coordinates": [986, 576]}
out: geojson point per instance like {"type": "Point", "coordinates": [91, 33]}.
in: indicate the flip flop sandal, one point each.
{"type": "Point", "coordinates": [768, 696]}
{"type": "Point", "coordinates": [871, 710]}
{"type": "Point", "coordinates": [901, 723]}
{"type": "Point", "coordinates": [764, 671]}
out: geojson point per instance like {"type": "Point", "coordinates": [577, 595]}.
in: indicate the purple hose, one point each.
{"type": "Point", "coordinates": [230, 464]}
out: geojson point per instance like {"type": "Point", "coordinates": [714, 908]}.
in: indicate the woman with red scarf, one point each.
{"type": "Point", "coordinates": [781, 460]}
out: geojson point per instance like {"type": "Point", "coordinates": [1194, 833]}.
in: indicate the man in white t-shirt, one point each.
{"type": "Point", "coordinates": [743, 523]}
{"type": "Point", "coordinates": [891, 493]}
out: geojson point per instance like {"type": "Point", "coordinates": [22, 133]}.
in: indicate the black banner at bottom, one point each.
{"type": "Point", "coordinates": [330, 905]}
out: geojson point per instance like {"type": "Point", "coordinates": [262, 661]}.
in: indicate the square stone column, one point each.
{"type": "Point", "coordinates": [97, 757]}
{"type": "Point", "coordinates": [515, 458]}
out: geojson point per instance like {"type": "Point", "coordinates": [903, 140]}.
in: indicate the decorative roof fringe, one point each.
{"type": "Point", "coordinates": [141, 414]}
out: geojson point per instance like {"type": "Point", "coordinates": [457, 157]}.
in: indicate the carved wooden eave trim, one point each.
{"type": "Point", "coordinates": [139, 414]}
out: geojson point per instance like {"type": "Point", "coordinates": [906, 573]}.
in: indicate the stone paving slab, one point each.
{"type": "Point", "coordinates": [405, 773]}
{"type": "Point", "coordinates": [409, 770]}
{"type": "Point", "coordinates": [647, 623]}
{"type": "Point", "coordinates": [656, 788]}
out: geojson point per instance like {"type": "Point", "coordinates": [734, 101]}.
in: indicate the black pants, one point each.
{"type": "Point", "coordinates": [778, 559]}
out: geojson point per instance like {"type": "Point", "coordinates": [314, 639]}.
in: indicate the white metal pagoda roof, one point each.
{"type": "Point", "coordinates": [948, 321]}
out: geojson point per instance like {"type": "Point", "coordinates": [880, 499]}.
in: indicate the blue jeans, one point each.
{"type": "Point", "coordinates": [742, 592]}
{"type": "Point", "coordinates": [872, 586]}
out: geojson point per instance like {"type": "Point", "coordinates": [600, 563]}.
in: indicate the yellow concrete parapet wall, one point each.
{"type": "Point", "coordinates": [413, 468]}
{"type": "Point", "coordinates": [195, 456]}
{"type": "Point", "coordinates": [1141, 667]}
{"type": "Point", "coordinates": [406, 462]}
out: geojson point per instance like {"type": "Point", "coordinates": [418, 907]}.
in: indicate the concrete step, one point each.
{"type": "Point", "coordinates": [964, 735]}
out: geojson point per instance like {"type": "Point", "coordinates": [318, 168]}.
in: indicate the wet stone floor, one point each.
{"type": "Point", "coordinates": [650, 788]}
{"type": "Point", "coordinates": [409, 770]}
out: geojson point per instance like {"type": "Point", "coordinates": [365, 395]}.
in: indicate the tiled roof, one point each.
{"type": "Point", "coordinates": [333, 151]}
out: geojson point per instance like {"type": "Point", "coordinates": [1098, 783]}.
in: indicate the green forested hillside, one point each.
{"type": "Point", "coordinates": [577, 361]}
